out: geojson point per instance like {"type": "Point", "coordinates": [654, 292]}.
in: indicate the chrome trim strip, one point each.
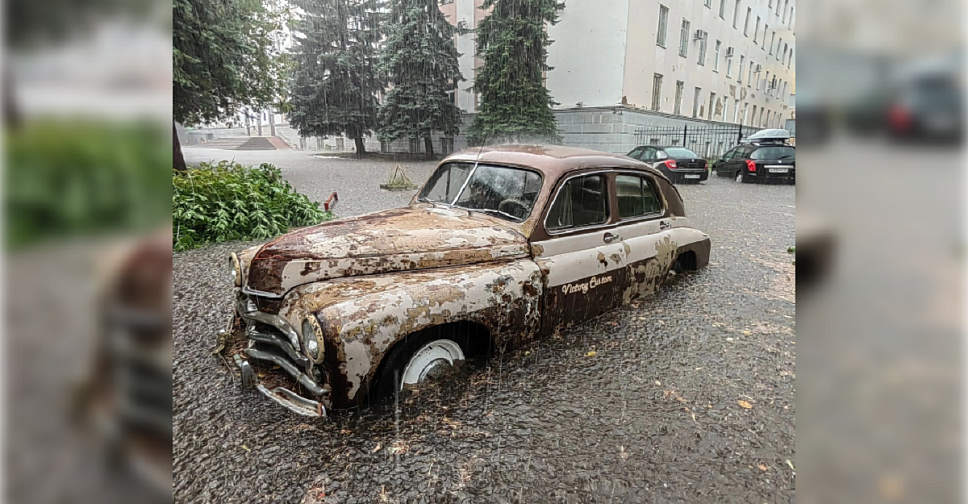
{"type": "Point", "coordinates": [271, 319]}
{"type": "Point", "coordinates": [293, 371]}
{"type": "Point", "coordinates": [272, 339]}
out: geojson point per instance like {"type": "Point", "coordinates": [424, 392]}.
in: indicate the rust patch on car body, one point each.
{"type": "Point", "coordinates": [383, 242]}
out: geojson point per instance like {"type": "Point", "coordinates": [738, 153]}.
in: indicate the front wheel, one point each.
{"type": "Point", "coordinates": [417, 359]}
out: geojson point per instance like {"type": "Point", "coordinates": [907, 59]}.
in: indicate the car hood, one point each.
{"type": "Point", "coordinates": [410, 238]}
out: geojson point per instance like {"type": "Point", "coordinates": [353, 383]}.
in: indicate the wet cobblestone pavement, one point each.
{"type": "Point", "coordinates": [689, 395]}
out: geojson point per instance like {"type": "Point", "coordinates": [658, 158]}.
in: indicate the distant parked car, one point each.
{"type": "Point", "coordinates": [764, 157]}
{"type": "Point", "coordinates": [677, 163]}
{"type": "Point", "coordinates": [928, 107]}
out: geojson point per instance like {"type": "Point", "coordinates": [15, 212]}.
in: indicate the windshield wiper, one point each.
{"type": "Point", "coordinates": [493, 211]}
{"type": "Point", "coordinates": [786, 156]}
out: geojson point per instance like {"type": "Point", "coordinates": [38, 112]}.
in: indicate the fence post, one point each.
{"type": "Point", "coordinates": [685, 128]}
{"type": "Point", "coordinates": [739, 137]}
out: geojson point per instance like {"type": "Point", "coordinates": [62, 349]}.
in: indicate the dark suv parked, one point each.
{"type": "Point", "coordinates": [678, 164]}
{"type": "Point", "coordinates": [759, 161]}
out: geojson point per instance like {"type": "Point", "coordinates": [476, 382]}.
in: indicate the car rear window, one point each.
{"type": "Point", "coordinates": [679, 152]}
{"type": "Point", "coordinates": [775, 153]}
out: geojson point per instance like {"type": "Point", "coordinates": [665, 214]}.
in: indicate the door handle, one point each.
{"type": "Point", "coordinates": [609, 237]}
{"type": "Point", "coordinates": [664, 225]}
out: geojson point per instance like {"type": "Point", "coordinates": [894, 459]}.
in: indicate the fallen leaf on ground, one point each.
{"type": "Point", "coordinates": [747, 333]}
{"type": "Point", "coordinates": [744, 404]}
{"type": "Point", "coordinates": [762, 467]}
{"type": "Point", "coordinates": [591, 354]}
{"type": "Point", "coordinates": [613, 323]}
{"type": "Point", "coordinates": [378, 446]}
{"type": "Point", "coordinates": [246, 448]}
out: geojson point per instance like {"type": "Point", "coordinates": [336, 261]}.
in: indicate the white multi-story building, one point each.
{"type": "Point", "coordinates": [718, 60]}
{"type": "Point", "coordinates": [639, 63]}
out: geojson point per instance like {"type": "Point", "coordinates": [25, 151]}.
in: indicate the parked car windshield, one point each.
{"type": "Point", "coordinates": [778, 152]}
{"type": "Point", "coordinates": [507, 193]}
{"type": "Point", "coordinates": [679, 153]}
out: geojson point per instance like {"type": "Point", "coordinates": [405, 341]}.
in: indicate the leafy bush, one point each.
{"type": "Point", "coordinates": [75, 177]}
{"type": "Point", "coordinates": [228, 201]}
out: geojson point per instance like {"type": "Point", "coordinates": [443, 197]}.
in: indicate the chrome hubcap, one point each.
{"type": "Point", "coordinates": [431, 360]}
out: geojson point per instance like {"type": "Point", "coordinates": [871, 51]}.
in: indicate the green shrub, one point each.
{"type": "Point", "coordinates": [76, 177]}
{"type": "Point", "coordinates": [228, 201]}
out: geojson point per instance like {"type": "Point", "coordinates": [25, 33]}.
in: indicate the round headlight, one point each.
{"type": "Point", "coordinates": [310, 343]}
{"type": "Point", "coordinates": [236, 270]}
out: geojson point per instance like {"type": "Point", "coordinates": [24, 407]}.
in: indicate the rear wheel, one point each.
{"type": "Point", "coordinates": [740, 176]}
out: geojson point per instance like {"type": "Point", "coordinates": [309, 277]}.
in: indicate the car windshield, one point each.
{"type": "Point", "coordinates": [680, 153]}
{"type": "Point", "coordinates": [778, 152]}
{"type": "Point", "coordinates": [507, 193]}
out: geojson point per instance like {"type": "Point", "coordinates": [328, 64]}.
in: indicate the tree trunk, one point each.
{"type": "Point", "coordinates": [272, 123]}
{"type": "Point", "coordinates": [258, 122]}
{"type": "Point", "coordinates": [248, 124]}
{"type": "Point", "coordinates": [429, 147]}
{"type": "Point", "coordinates": [177, 158]}
{"type": "Point", "coordinates": [360, 147]}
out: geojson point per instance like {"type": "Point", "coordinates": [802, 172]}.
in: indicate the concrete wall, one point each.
{"type": "Point", "coordinates": [613, 129]}
{"type": "Point", "coordinates": [588, 53]}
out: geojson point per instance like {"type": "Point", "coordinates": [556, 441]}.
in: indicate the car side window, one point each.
{"type": "Point", "coordinates": [745, 152]}
{"type": "Point", "coordinates": [648, 154]}
{"type": "Point", "coordinates": [582, 201]}
{"type": "Point", "coordinates": [636, 153]}
{"type": "Point", "coordinates": [730, 154]}
{"type": "Point", "coordinates": [636, 196]}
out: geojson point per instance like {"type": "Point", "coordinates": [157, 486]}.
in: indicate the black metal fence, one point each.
{"type": "Point", "coordinates": [707, 141]}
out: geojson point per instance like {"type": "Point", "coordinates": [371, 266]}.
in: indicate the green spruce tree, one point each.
{"type": "Point", "coordinates": [515, 105]}
{"type": "Point", "coordinates": [336, 81]}
{"type": "Point", "coordinates": [420, 61]}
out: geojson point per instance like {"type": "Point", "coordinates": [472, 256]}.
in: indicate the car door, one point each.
{"type": "Point", "coordinates": [581, 257]}
{"type": "Point", "coordinates": [722, 164]}
{"type": "Point", "coordinates": [646, 232]}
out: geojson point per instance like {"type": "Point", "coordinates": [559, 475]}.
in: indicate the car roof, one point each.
{"type": "Point", "coordinates": [552, 161]}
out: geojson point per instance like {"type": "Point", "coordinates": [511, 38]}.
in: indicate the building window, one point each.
{"type": "Point", "coordinates": [790, 24]}
{"type": "Point", "coordinates": [777, 7]}
{"type": "Point", "coordinates": [756, 30]}
{"type": "Point", "coordinates": [736, 15]}
{"type": "Point", "coordinates": [786, 3]}
{"type": "Point", "coordinates": [778, 44]}
{"type": "Point", "coordinates": [765, 28]}
{"type": "Point", "coordinates": [761, 118]}
{"type": "Point", "coordinates": [656, 91]}
{"type": "Point", "coordinates": [708, 3]}
{"type": "Point", "coordinates": [660, 38]}
{"type": "Point", "coordinates": [739, 77]}
{"type": "Point", "coordinates": [712, 104]}
{"type": "Point", "coordinates": [752, 119]}
{"type": "Point", "coordinates": [746, 24]}
{"type": "Point", "coordinates": [678, 104]}
{"type": "Point", "coordinates": [735, 109]}
{"type": "Point", "coordinates": [684, 39]}
{"type": "Point", "coordinates": [790, 58]}
{"type": "Point", "coordinates": [729, 65]}
{"type": "Point", "coordinates": [695, 102]}
{"type": "Point", "coordinates": [725, 108]}
{"type": "Point", "coordinates": [771, 5]}
{"type": "Point", "coordinates": [766, 82]}
{"type": "Point", "coordinates": [716, 55]}
{"type": "Point", "coordinates": [722, 9]}
{"type": "Point", "coordinates": [749, 77]}
{"type": "Point", "coordinates": [772, 40]}
{"type": "Point", "coordinates": [702, 49]}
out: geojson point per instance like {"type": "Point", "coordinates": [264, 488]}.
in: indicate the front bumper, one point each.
{"type": "Point", "coordinates": [266, 345]}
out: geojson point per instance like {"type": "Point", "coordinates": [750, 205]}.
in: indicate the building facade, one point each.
{"type": "Point", "coordinates": [715, 60]}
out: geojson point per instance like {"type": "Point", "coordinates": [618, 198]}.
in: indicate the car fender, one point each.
{"type": "Point", "coordinates": [361, 318]}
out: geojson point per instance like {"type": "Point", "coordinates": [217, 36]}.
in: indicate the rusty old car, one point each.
{"type": "Point", "coordinates": [500, 246]}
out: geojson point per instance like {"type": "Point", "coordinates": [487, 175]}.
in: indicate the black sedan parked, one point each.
{"type": "Point", "coordinates": [759, 162]}
{"type": "Point", "coordinates": [677, 163]}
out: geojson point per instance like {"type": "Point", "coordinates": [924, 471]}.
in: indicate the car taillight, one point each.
{"type": "Point", "coordinates": [671, 163]}
{"type": "Point", "coordinates": [899, 117]}
{"type": "Point", "coordinates": [751, 165]}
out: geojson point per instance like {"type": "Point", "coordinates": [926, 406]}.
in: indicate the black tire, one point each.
{"type": "Point", "coordinates": [391, 369]}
